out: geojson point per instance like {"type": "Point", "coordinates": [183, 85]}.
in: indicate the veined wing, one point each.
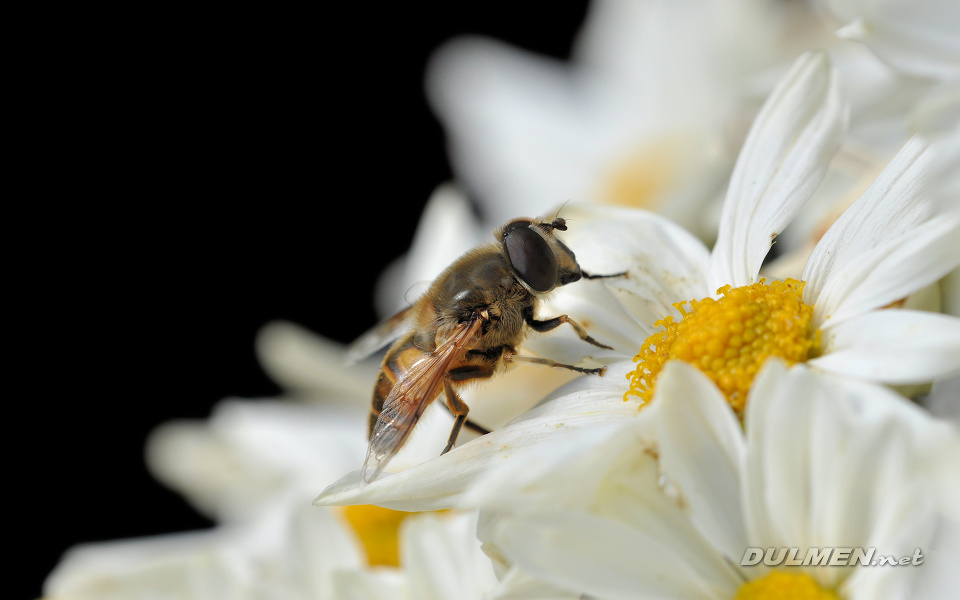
{"type": "Point", "coordinates": [411, 394]}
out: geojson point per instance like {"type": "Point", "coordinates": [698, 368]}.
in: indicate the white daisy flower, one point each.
{"type": "Point", "coordinates": [252, 467]}
{"type": "Point", "coordinates": [890, 243]}
{"type": "Point", "coordinates": [649, 111]}
{"type": "Point", "coordinates": [249, 453]}
{"type": "Point", "coordinates": [666, 506]}
{"type": "Point", "coordinates": [310, 368]}
{"type": "Point", "coordinates": [291, 551]}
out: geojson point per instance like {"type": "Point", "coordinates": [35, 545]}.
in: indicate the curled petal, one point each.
{"type": "Point", "coordinates": [886, 273]}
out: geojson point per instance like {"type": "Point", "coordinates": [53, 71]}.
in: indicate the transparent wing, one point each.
{"type": "Point", "coordinates": [377, 337]}
{"type": "Point", "coordinates": [410, 396]}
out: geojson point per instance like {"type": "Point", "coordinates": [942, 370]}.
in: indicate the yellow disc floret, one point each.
{"type": "Point", "coordinates": [780, 585]}
{"type": "Point", "coordinates": [730, 338]}
{"type": "Point", "coordinates": [378, 531]}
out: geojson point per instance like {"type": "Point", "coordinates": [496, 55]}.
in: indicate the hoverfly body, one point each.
{"type": "Point", "coordinates": [466, 327]}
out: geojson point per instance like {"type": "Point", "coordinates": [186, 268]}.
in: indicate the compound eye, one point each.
{"type": "Point", "coordinates": [532, 258]}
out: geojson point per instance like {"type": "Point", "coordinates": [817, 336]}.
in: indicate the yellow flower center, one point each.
{"type": "Point", "coordinates": [780, 585]}
{"type": "Point", "coordinates": [730, 338]}
{"type": "Point", "coordinates": [378, 530]}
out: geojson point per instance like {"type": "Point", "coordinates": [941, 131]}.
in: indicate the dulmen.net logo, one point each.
{"type": "Point", "coordinates": [828, 557]}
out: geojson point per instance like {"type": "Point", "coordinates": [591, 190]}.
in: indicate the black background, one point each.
{"type": "Point", "coordinates": [195, 176]}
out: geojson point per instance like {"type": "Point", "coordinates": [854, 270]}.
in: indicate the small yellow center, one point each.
{"type": "Point", "coordinates": [780, 585]}
{"type": "Point", "coordinates": [639, 178]}
{"type": "Point", "coordinates": [729, 338]}
{"type": "Point", "coordinates": [378, 530]}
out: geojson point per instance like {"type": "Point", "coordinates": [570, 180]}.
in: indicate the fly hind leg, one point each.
{"type": "Point", "coordinates": [457, 407]}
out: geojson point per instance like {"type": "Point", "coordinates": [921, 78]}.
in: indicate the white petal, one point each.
{"type": "Point", "coordinates": [635, 492]}
{"type": "Point", "coordinates": [496, 402]}
{"type": "Point", "coordinates": [664, 263]}
{"type": "Point", "coordinates": [447, 229]}
{"type": "Point", "coordinates": [843, 508]}
{"type": "Point", "coordinates": [599, 306]}
{"type": "Point", "coordinates": [701, 452]}
{"type": "Point", "coordinates": [941, 578]}
{"type": "Point", "coordinates": [304, 362]}
{"type": "Point", "coordinates": [381, 584]}
{"type": "Point", "coordinates": [442, 557]}
{"type": "Point", "coordinates": [602, 558]}
{"type": "Point", "coordinates": [518, 585]}
{"type": "Point", "coordinates": [913, 524]}
{"type": "Point", "coordinates": [514, 134]}
{"type": "Point", "coordinates": [320, 545]}
{"type": "Point", "coordinates": [607, 471]}
{"type": "Point", "coordinates": [888, 242]}
{"type": "Point", "coordinates": [539, 480]}
{"type": "Point", "coordinates": [950, 290]}
{"type": "Point", "coordinates": [891, 206]}
{"type": "Point", "coordinates": [782, 161]}
{"type": "Point", "coordinates": [191, 566]}
{"type": "Point", "coordinates": [937, 114]}
{"type": "Point", "coordinates": [872, 498]}
{"type": "Point", "coordinates": [290, 550]}
{"type": "Point", "coordinates": [937, 119]}
{"type": "Point", "coordinates": [944, 400]}
{"type": "Point", "coordinates": [893, 346]}
{"type": "Point", "coordinates": [917, 38]}
{"type": "Point", "coordinates": [935, 443]}
{"type": "Point", "coordinates": [297, 549]}
{"type": "Point", "coordinates": [833, 462]}
{"type": "Point", "coordinates": [665, 51]}
{"type": "Point", "coordinates": [249, 453]}
{"type": "Point", "coordinates": [441, 482]}
{"type": "Point", "coordinates": [889, 272]}
{"type": "Point", "coordinates": [894, 506]}
{"type": "Point", "coordinates": [781, 408]}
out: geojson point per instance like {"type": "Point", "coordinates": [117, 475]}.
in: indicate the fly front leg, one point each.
{"type": "Point", "coordinates": [586, 275]}
{"type": "Point", "coordinates": [512, 356]}
{"type": "Point", "coordinates": [555, 322]}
